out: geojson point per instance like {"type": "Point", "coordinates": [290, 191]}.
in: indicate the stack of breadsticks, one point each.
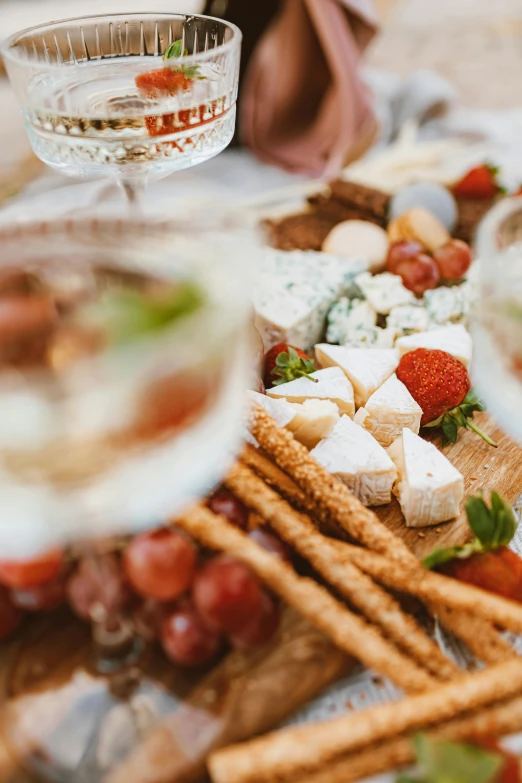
{"type": "Point", "coordinates": [357, 560]}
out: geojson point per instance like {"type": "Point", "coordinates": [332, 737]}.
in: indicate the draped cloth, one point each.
{"type": "Point", "coordinates": [303, 104]}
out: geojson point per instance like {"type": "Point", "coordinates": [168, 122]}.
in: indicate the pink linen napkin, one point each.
{"type": "Point", "coordinates": [304, 107]}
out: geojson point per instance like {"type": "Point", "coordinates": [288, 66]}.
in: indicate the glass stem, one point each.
{"type": "Point", "coordinates": [134, 190]}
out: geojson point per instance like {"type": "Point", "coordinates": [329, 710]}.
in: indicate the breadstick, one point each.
{"type": "Point", "coordinates": [348, 631]}
{"type": "Point", "coordinates": [432, 587]}
{"type": "Point", "coordinates": [480, 637]}
{"type": "Point", "coordinates": [296, 750]}
{"type": "Point", "coordinates": [378, 606]}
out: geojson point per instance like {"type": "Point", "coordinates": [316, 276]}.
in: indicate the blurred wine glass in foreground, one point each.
{"type": "Point", "coordinates": [497, 330]}
{"type": "Point", "coordinates": [123, 373]}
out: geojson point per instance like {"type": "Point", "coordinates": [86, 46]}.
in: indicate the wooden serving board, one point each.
{"type": "Point", "coordinates": [484, 469]}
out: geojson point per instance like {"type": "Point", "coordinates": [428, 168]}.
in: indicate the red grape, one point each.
{"type": "Point", "coordinates": [271, 542]}
{"type": "Point", "coordinates": [228, 505]}
{"type": "Point", "coordinates": [97, 589]}
{"type": "Point", "coordinates": [160, 564]}
{"type": "Point", "coordinates": [149, 616]}
{"type": "Point", "coordinates": [10, 616]}
{"type": "Point", "coordinates": [400, 251]}
{"type": "Point", "coordinates": [187, 640]}
{"type": "Point", "coordinates": [453, 259]}
{"type": "Point", "coordinates": [419, 273]}
{"type": "Point", "coordinates": [227, 594]}
{"type": "Point", "coordinates": [40, 598]}
{"type": "Point", "coordinates": [30, 573]}
{"type": "Point", "coordinates": [262, 627]}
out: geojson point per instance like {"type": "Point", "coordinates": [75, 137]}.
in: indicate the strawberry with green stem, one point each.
{"type": "Point", "coordinates": [486, 561]}
{"type": "Point", "coordinates": [481, 182]}
{"type": "Point", "coordinates": [285, 363]}
{"type": "Point", "coordinates": [170, 80]}
{"type": "Point", "coordinates": [440, 384]}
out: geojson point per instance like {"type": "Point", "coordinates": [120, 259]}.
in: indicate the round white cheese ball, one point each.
{"type": "Point", "coordinates": [359, 239]}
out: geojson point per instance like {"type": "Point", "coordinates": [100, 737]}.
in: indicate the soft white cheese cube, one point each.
{"type": "Point", "coordinates": [384, 292]}
{"type": "Point", "coordinates": [388, 411]}
{"type": "Point", "coordinates": [313, 421]}
{"type": "Point", "coordinates": [454, 339]}
{"type": "Point", "coordinates": [293, 293]}
{"type": "Point", "coordinates": [355, 457]}
{"type": "Point", "coordinates": [330, 384]}
{"type": "Point", "coordinates": [407, 319]}
{"type": "Point", "coordinates": [367, 369]}
{"type": "Point", "coordinates": [429, 488]}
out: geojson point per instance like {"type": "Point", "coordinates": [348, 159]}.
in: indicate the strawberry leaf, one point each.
{"type": "Point", "coordinates": [505, 520]}
{"type": "Point", "coordinates": [481, 520]}
{"type": "Point", "coordinates": [290, 366]}
{"type": "Point", "coordinates": [175, 50]}
{"type": "Point", "coordinates": [441, 556]}
{"type": "Point", "coordinates": [441, 761]}
{"type": "Point", "coordinates": [461, 416]}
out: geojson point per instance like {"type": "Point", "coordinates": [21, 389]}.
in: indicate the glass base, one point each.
{"type": "Point", "coordinates": [62, 719]}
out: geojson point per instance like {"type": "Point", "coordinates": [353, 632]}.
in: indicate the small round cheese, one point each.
{"type": "Point", "coordinates": [359, 239]}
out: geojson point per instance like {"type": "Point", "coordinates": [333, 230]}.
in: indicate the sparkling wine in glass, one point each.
{"type": "Point", "coordinates": [497, 330]}
{"type": "Point", "coordinates": [137, 96]}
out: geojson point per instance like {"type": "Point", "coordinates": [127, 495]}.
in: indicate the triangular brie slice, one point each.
{"type": "Point", "coordinates": [366, 368]}
{"type": "Point", "coordinates": [314, 420]}
{"type": "Point", "coordinates": [330, 384]}
{"type": "Point", "coordinates": [388, 411]}
{"type": "Point", "coordinates": [355, 457]}
{"type": "Point", "coordinates": [454, 339]}
{"type": "Point", "coordinates": [429, 488]}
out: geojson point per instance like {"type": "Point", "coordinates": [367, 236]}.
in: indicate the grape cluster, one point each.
{"type": "Point", "coordinates": [421, 272]}
{"type": "Point", "coordinates": [193, 603]}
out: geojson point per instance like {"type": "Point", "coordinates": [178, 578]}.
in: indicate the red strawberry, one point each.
{"type": "Point", "coordinates": [510, 771]}
{"type": "Point", "coordinates": [166, 81]}
{"type": "Point", "coordinates": [284, 363]}
{"type": "Point", "coordinates": [486, 561]}
{"type": "Point", "coordinates": [479, 183]}
{"type": "Point", "coordinates": [440, 384]}
{"type": "Point", "coordinates": [498, 572]}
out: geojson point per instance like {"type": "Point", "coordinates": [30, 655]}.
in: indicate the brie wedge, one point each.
{"type": "Point", "coordinates": [388, 411]}
{"type": "Point", "coordinates": [454, 339]}
{"type": "Point", "coordinates": [330, 384]}
{"type": "Point", "coordinates": [355, 457]}
{"type": "Point", "coordinates": [366, 368]}
{"type": "Point", "coordinates": [429, 488]}
{"type": "Point", "coordinates": [309, 422]}
{"type": "Point", "coordinates": [313, 421]}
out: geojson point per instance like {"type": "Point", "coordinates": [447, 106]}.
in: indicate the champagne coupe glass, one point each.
{"type": "Point", "coordinates": [138, 96]}
{"type": "Point", "coordinates": [97, 445]}
{"type": "Point", "coordinates": [497, 330]}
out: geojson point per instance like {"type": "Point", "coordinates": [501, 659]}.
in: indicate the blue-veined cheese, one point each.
{"type": "Point", "coordinates": [409, 318]}
{"type": "Point", "coordinates": [384, 292]}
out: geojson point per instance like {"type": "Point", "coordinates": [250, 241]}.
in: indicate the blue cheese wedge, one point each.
{"type": "Point", "coordinates": [294, 292]}
{"type": "Point", "coordinates": [355, 457]}
{"type": "Point", "coordinates": [388, 411]}
{"type": "Point", "coordinates": [330, 384]}
{"type": "Point", "coordinates": [367, 369]}
{"type": "Point", "coordinates": [453, 339]}
{"type": "Point", "coordinates": [348, 317]}
{"type": "Point", "coordinates": [448, 305]}
{"type": "Point", "coordinates": [407, 319]}
{"type": "Point", "coordinates": [429, 488]}
{"type": "Point", "coordinates": [384, 292]}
